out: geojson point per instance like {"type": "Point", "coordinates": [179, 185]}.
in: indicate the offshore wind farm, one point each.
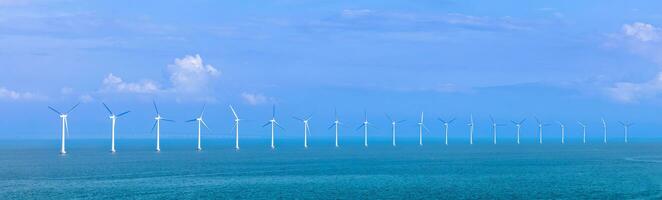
{"type": "Point", "coordinates": [330, 100]}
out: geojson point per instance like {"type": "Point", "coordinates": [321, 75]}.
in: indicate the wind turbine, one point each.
{"type": "Point", "coordinates": [446, 128]}
{"type": "Point", "coordinates": [494, 129]}
{"type": "Point", "coordinates": [393, 126]}
{"type": "Point", "coordinates": [306, 129]}
{"type": "Point", "coordinates": [236, 127]}
{"type": "Point", "coordinates": [540, 125]}
{"type": "Point", "coordinates": [113, 117]}
{"type": "Point", "coordinates": [626, 125]}
{"type": "Point", "coordinates": [365, 129]}
{"type": "Point", "coordinates": [201, 122]}
{"type": "Point", "coordinates": [562, 132]}
{"type": "Point", "coordinates": [518, 125]}
{"type": "Point", "coordinates": [471, 129]}
{"type": "Point", "coordinates": [65, 125]}
{"type": "Point", "coordinates": [604, 125]}
{"type": "Point", "coordinates": [274, 124]}
{"type": "Point", "coordinates": [157, 125]}
{"type": "Point", "coordinates": [584, 131]}
{"type": "Point", "coordinates": [421, 126]}
{"type": "Point", "coordinates": [335, 124]}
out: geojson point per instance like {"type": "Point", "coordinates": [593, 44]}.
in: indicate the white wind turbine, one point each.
{"type": "Point", "coordinates": [306, 129]}
{"type": "Point", "coordinates": [494, 129]}
{"type": "Point", "coordinates": [421, 126]}
{"type": "Point", "coordinates": [394, 123]}
{"type": "Point", "coordinates": [604, 126]}
{"type": "Point", "coordinates": [540, 126]}
{"type": "Point", "coordinates": [201, 122]}
{"type": "Point", "coordinates": [65, 125]}
{"type": "Point", "coordinates": [446, 128]}
{"type": "Point", "coordinates": [157, 125]}
{"type": "Point", "coordinates": [274, 124]}
{"type": "Point", "coordinates": [113, 117]}
{"type": "Point", "coordinates": [365, 129]}
{"type": "Point", "coordinates": [471, 129]}
{"type": "Point", "coordinates": [519, 126]}
{"type": "Point", "coordinates": [335, 124]}
{"type": "Point", "coordinates": [562, 132]}
{"type": "Point", "coordinates": [236, 127]}
{"type": "Point", "coordinates": [583, 131]}
{"type": "Point", "coordinates": [626, 126]}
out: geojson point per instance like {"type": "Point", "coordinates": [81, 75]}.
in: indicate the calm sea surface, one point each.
{"type": "Point", "coordinates": [33, 169]}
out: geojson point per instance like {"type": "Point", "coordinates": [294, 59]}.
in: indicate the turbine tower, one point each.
{"type": "Point", "coordinates": [365, 128]}
{"type": "Point", "coordinates": [519, 126]}
{"type": "Point", "coordinates": [274, 124]}
{"type": "Point", "coordinates": [157, 125]}
{"type": "Point", "coordinates": [65, 125]}
{"type": "Point", "coordinates": [421, 126]}
{"type": "Point", "coordinates": [335, 124]}
{"type": "Point", "coordinates": [604, 126]}
{"type": "Point", "coordinates": [113, 117]}
{"type": "Point", "coordinates": [540, 126]}
{"type": "Point", "coordinates": [562, 132]}
{"type": "Point", "coordinates": [626, 126]}
{"type": "Point", "coordinates": [471, 129]}
{"type": "Point", "coordinates": [446, 128]}
{"type": "Point", "coordinates": [306, 129]}
{"type": "Point", "coordinates": [201, 122]}
{"type": "Point", "coordinates": [394, 123]}
{"type": "Point", "coordinates": [236, 128]}
{"type": "Point", "coordinates": [494, 129]}
{"type": "Point", "coordinates": [583, 131]}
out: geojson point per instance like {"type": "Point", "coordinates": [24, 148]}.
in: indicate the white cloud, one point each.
{"type": "Point", "coordinates": [628, 92]}
{"type": "Point", "coordinates": [86, 98]}
{"type": "Point", "coordinates": [15, 95]}
{"type": "Point", "coordinates": [189, 74]}
{"type": "Point", "coordinates": [642, 39]}
{"type": "Point", "coordinates": [114, 83]}
{"type": "Point", "coordinates": [254, 99]}
{"type": "Point", "coordinates": [641, 31]}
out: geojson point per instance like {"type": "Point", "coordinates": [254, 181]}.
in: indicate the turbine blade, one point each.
{"type": "Point", "coordinates": [167, 120]}
{"type": "Point", "coordinates": [202, 113]}
{"type": "Point", "coordinates": [298, 118]}
{"type": "Point", "coordinates": [234, 112]}
{"type": "Point", "coordinates": [279, 126]}
{"type": "Point", "coordinates": [441, 120]}
{"type": "Point", "coordinates": [124, 113]}
{"type": "Point", "coordinates": [421, 117]}
{"type": "Point", "coordinates": [72, 108]}
{"type": "Point", "coordinates": [309, 116]}
{"type": "Point", "coordinates": [400, 121]}
{"type": "Point", "coordinates": [153, 126]}
{"type": "Point", "coordinates": [451, 121]}
{"type": "Point", "coordinates": [205, 124]}
{"type": "Point", "coordinates": [273, 111]}
{"type": "Point", "coordinates": [66, 126]}
{"type": "Point", "coordinates": [53, 109]}
{"type": "Point", "coordinates": [389, 117]}
{"type": "Point", "coordinates": [192, 120]}
{"type": "Point", "coordinates": [267, 124]}
{"type": "Point", "coordinates": [522, 121]}
{"type": "Point", "coordinates": [155, 107]}
{"type": "Point", "coordinates": [108, 109]}
{"type": "Point", "coordinates": [361, 126]}
{"type": "Point", "coordinates": [331, 126]}
{"type": "Point", "coordinates": [492, 119]}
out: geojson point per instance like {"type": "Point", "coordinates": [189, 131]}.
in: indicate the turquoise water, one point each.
{"type": "Point", "coordinates": [35, 170]}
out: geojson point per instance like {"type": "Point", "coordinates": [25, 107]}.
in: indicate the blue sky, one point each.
{"type": "Point", "coordinates": [562, 60]}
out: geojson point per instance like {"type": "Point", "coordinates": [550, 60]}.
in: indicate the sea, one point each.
{"type": "Point", "coordinates": [34, 169]}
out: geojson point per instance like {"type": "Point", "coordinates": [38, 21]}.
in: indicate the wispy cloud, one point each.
{"type": "Point", "coordinates": [641, 38]}
{"type": "Point", "coordinates": [114, 83]}
{"type": "Point", "coordinates": [254, 98]}
{"type": "Point", "coordinates": [8, 94]}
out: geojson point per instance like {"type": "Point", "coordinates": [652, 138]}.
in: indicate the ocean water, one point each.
{"type": "Point", "coordinates": [33, 169]}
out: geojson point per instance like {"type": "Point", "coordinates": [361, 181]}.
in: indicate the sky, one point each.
{"type": "Point", "coordinates": [559, 61]}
